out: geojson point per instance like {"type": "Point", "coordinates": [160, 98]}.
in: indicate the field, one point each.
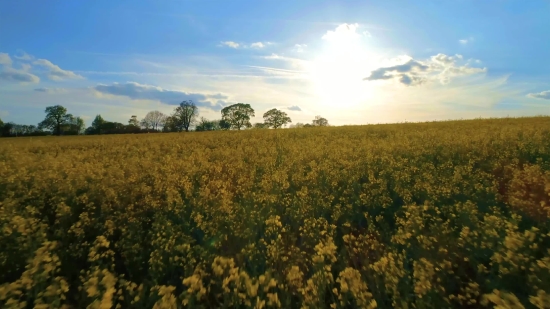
{"type": "Point", "coordinates": [423, 215]}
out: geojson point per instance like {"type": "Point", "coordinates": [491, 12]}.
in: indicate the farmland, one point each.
{"type": "Point", "coordinates": [416, 215]}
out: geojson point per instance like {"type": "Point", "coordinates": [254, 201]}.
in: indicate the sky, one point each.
{"type": "Point", "coordinates": [351, 62]}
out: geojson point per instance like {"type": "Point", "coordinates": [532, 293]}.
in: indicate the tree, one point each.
{"type": "Point", "coordinates": [238, 115]}
{"type": "Point", "coordinates": [275, 118]}
{"type": "Point", "coordinates": [74, 126]}
{"type": "Point", "coordinates": [207, 125]}
{"type": "Point", "coordinates": [97, 124]}
{"type": "Point", "coordinates": [133, 121]}
{"type": "Point", "coordinates": [154, 120]}
{"type": "Point", "coordinates": [297, 125]}
{"type": "Point", "coordinates": [170, 125]}
{"type": "Point", "coordinates": [112, 127]}
{"type": "Point", "coordinates": [78, 125]}
{"type": "Point", "coordinates": [133, 125]}
{"type": "Point", "coordinates": [320, 122]}
{"type": "Point", "coordinates": [185, 115]}
{"type": "Point", "coordinates": [56, 117]}
{"type": "Point", "coordinates": [224, 125]}
{"type": "Point", "coordinates": [260, 125]}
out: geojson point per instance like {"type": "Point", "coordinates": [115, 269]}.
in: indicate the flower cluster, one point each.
{"type": "Point", "coordinates": [427, 215]}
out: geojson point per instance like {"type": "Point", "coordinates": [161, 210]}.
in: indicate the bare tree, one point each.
{"type": "Point", "coordinates": [154, 120]}
{"type": "Point", "coordinates": [185, 115]}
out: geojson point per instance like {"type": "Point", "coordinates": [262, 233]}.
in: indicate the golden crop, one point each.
{"type": "Point", "coordinates": [428, 215]}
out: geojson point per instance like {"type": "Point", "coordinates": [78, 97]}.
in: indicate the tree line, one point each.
{"type": "Point", "coordinates": [184, 118]}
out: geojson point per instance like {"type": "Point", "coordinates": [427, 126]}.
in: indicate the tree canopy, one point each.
{"type": "Point", "coordinates": [320, 122]}
{"type": "Point", "coordinates": [183, 118]}
{"type": "Point", "coordinates": [56, 117]}
{"type": "Point", "coordinates": [185, 115]}
{"type": "Point", "coordinates": [275, 118]}
{"type": "Point", "coordinates": [238, 115]}
{"type": "Point", "coordinates": [98, 123]}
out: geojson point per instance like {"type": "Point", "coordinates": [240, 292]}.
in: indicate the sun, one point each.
{"type": "Point", "coordinates": [337, 72]}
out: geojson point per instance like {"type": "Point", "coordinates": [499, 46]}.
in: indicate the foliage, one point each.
{"type": "Point", "coordinates": [133, 121]}
{"type": "Point", "coordinates": [238, 115]}
{"type": "Point", "coordinates": [260, 125]}
{"type": "Point", "coordinates": [275, 118]}
{"type": "Point", "coordinates": [97, 124]}
{"type": "Point", "coordinates": [56, 117]}
{"type": "Point", "coordinates": [11, 129]}
{"type": "Point", "coordinates": [225, 125]}
{"type": "Point", "coordinates": [185, 115]}
{"type": "Point", "coordinates": [319, 122]}
{"type": "Point", "coordinates": [426, 215]}
{"type": "Point", "coordinates": [208, 125]}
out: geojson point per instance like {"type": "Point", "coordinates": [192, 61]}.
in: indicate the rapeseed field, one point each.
{"type": "Point", "coordinates": [418, 215]}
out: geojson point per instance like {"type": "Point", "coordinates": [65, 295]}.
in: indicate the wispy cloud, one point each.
{"type": "Point", "coordinates": [51, 90]}
{"type": "Point", "coordinates": [55, 72]}
{"type": "Point", "coordinates": [8, 73]}
{"type": "Point", "coordinates": [295, 108]}
{"type": "Point", "coordinates": [21, 55]}
{"type": "Point", "coordinates": [207, 73]}
{"type": "Point", "coordinates": [15, 75]}
{"type": "Point", "coordinates": [136, 91]}
{"type": "Point", "coordinates": [230, 44]}
{"type": "Point", "coordinates": [257, 45]}
{"type": "Point", "coordinates": [295, 63]}
{"type": "Point", "coordinates": [540, 95]}
{"type": "Point", "coordinates": [300, 48]}
{"type": "Point", "coordinates": [466, 41]}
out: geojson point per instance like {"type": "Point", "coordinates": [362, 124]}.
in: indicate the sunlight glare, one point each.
{"type": "Point", "coordinates": [337, 73]}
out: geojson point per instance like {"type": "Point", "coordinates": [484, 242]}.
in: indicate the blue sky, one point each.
{"type": "Point", "coordinates": [352, 62]}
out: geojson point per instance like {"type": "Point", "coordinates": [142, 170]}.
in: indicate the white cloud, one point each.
{"type": "Point", "coordinates": [55, 72]}
{"type": "Point", "coordinates": [295, 108]}
{"type": "Point", "coordinates": [257, 45]}
{"type": "Point", "coordinates": [26, 67]}
{"type": "Point", "coordinates": [342, 32]}
{"type": "Point", "coordinates": [466, 41]}
{"type": "Point", "coordinates": [541, 95]}
{"type": "Point", "coordinates": [11, 74]}
{"type": "Point", "coordinates": [300, 48]}
{"type": "Point", "coordinates": [51, 90]}
{"type": "Point", "coordinates": [414, 72]}
{"type": "Point", "coordinates": [7, 72]}
{"type": "Point", "coordinates": [21, 55]}
{"type": "Point", "coordinates": [230, 44]}
{"type": "Point", "coordinates": [295, 63]}
{"type": "Point", "coordinates": [367, 34]}
{"type": "Point", "coordinates": [136, 91]}
{"type": "Point", "coordinates": [5, 59]}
